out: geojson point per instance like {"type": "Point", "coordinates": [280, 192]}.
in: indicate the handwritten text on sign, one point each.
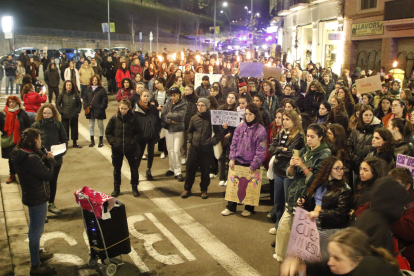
{"type": "Point", "coordinates": [304, 238]}
{"type": "Point", "coordinates": [405, 161]}
{"type": "Point", "coordinates": [370, 84]}
{"type": "Point", "coordinates": [219, 117]}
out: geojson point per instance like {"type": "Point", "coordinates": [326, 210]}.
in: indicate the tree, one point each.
{"type": "Point", "coordinates": [133, 28]}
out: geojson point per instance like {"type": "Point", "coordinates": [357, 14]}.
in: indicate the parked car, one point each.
{"type": "Point", "coordinates": [70, 53]}
{"type": "Point", "coordinates": [52, 53]}
{"type": "Point", "coordinates": [16, 53]}
{"type": "Point", "coordinates": [106, 50]}
{"type": "Point", "coordinates": [87, 52]}
{"type": "Point", "coordinates": [119, 49]}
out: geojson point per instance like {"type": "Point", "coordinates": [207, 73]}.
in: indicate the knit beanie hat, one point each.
{"type": "Point", "coordinates": [204, 101]}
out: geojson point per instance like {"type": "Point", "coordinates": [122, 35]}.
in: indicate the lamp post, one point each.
{"type": "Point", "coordinates": [109, 30]}
{"type": "Point", "coordinates": [214, 44]}
{"type": "Point", "coordinates": [7, 25]}
{"type": "Point", "coordinates": [227, 18]}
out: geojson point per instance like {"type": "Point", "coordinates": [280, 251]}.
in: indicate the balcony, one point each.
{"type": "Point", "coordinates": [399, 9]}
{"type": "Point", "coordinates": [285, 7]}
{"type": "Point", "coordinates": [296, 5]}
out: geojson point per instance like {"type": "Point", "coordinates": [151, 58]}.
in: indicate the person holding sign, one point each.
{"type": "Point", "coordinates": [248, 149]}
{"type": "Point", "coordinates": [328, 201]}
{"type": "Point", "coordinates": [350, 254]}
{"type": "Point", "coordinates": [302, 171]}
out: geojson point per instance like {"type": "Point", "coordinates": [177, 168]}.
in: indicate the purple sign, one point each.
{"type": "Point", "coordinates": [251, 69]}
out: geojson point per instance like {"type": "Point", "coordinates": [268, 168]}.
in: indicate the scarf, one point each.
{"type": "Point", "coordinates": [144, 107]}
{"type": "Point", "coordinates": [12, 125]}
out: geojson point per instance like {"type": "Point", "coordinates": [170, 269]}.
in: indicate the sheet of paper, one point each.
{"type": "Point", "coordinates": [58, 149]}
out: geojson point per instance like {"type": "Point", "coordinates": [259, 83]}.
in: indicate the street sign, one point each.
{"type": "Point", "coordinates": [151, 36]}
{"type": "Point", "coordinates": [105, 27]}
{"type": "Point", "coordinates": [112, 27]}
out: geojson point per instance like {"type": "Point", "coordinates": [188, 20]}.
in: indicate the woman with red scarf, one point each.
{"type": "Point", "coordinates": [14, 121]}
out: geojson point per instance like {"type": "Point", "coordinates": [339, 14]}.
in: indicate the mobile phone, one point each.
{"type": "Point", "coordinates": [44, 89]}
{"type": "Point", "coordinates": [295, 153]}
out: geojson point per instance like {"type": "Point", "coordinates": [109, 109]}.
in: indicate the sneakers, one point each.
{"type": "Point", "coordinates": [270, 215]}
{"type": "Point", "coordinates": [183, 161]}
{"type": "Point", "coordinates": [225, 184]}
{"type": "Point", "coordinates": [212, 176]}
{"type": "Point", "coordinates": [185, 194]}
{"type": "Point", "coordinates": [227, 212]}
{"type": "Point", "coordinates": [144, 157]}
{"type": "Point", "coordinates": [11, 179]}
{"type": "Point", "coordinates": [37, 270]}
{"type": "Point", "coordinates": [280, 260]}
{"type": "Point", "coordinates": [246, 213]}
{"type": "Point", "coordinates": [116, 191]}
{"type": "Point", "coordinates": [272, 231]}
{"type": "Point", "coordinates": [44, 255]}
{"type": "Point", "coordinates": [149, 175]}
{"type": "Point", "coordinates": [169, 173]}
{"type": "Point", "coordinates": [180, 178]}
{"type": "Point", "coordinates": [221, 183]}
{"type": "Point", "coordinates": [135, 192]}
{"type": "Point", "coordinates": [52, 208]}
{"type": "Point", "coordinates": [204, 195]}
{"type": "Point", "coordinates": [162, 156]}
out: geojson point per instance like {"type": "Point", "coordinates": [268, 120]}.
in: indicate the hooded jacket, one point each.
{"type": "Point", "coordinates": [312, 102]}
{"type": "Point", "coordinates": [34, 174]}
{"type": "Point", "coordinates": [122, 132]}
{"type": "Point", "coordinates": [200, 132]}
{"type": "Point", "coordinates": [85, 73]}
{"type": "Point", "coordinates": [52, 77]}
{"type": "Point", "coordinates": [174, 112]}
{"type": "Point", "coordinates": [249, 145]}
{"type": "Point", "coordinates": [99, 103]}
{"type": "Point", "coordinates": [149, 123]}
{"type": "Point", "coordinates": [69, 105]}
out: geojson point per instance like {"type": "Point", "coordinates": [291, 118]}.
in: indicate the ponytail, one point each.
{"type": "Point", "coordinates": [385, 255]}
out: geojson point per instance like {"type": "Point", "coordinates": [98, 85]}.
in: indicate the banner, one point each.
{"type": "Point", "coordinates": [242, 187]}
{"type": "Point", "coordinates": [405, 161]}
{"type": "Point", "coordinates": [304, 238]}
{"type": "Point", "coordinates": [370, 84]}
{"type": "Point", "coordinates": [212, 77]}
{"type": "Point", "coordinates": [251, 69]}
{"type": "Point", "coordinates": [219, 117]}
{"type": "Point", "coordinates": [105, 27]}
{"type": "Point", "coordinates": [274, 72]}
{"type": "Point", "coordinates": [368, 28]}
{"type": "Point", "coordinates": [112, 27]}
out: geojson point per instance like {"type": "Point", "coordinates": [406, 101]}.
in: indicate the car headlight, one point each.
{"type": "Point", "coordinates": [264, 47]}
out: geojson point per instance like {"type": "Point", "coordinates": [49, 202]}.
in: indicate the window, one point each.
{"type": "Point", "coordinates": [368, 4]}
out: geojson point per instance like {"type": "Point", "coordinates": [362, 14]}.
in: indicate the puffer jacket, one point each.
{"type": "Point", "coordinates": [52, 77]}
{"type": "Point", "coordinates": [271, 104]}
{"type": "Point", "coordinates": [282, 158]}
{"type": "Point", "coordinates": [52, 133]}
{"type": "Point", "coordinates": [249, 145]}
{"type": "Point", "coordinates": [120, 75]}
{"type": "Point", "coordinates": [191, 108]}
{"type": "Point", "coordinates": [266, 117]}
{"type": "Point", "coordinates": [360, 142]}
{"type": "Point", "coordinates": [85, 74]}
{"type": "Point", "coordinates": [149, 123]}
{"type": "Point", "coordinates": [99, 104]}
{"type": "Point", "coordinates": [34, 175]}
{"type": "Point", "coordinates": [174, 112]}
{"type": "Point", "coordinates": [405, 146]}
{"type": "Point", "coordinates": [69, 105]}
{"type": "Point", "coordinates": [312, 101]}
{"type": "Point", "coordinates": [300, 182]}
{"type": "Point", "coordinates": [336, 205]}
{"type": "Point", "coordinates": [202, 91]}
{"type": "Point", "coordinates": [200, 132]}
{"type": "Point", "coordinates": [122, 132]}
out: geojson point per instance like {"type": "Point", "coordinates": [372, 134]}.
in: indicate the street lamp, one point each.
{"type": "Point", "coordinates": [227, 19]}
{"type": "Point", "coordinates": [225, 4]}
{"type": "Point", "coordinates": [7, 24]}
{"type": "Point", "coordinates": [257, 14]}
{"type": "Point", "coordinates": [245, 7]}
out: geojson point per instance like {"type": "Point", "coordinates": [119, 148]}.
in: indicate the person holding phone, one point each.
{"type": "Point", "coordinates": [32, 100]}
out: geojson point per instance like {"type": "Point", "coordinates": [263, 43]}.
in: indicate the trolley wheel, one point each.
{"type": "Point", "coordinates": [92, 261]}
{"type": "Point", "coordinates": [110, 269]}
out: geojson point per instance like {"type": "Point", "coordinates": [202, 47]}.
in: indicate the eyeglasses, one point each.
{"type": "Point", "coordinates": [338, 169]}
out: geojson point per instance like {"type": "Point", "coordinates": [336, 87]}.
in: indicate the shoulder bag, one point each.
{"type": "Point", "coordinates": [88, 109]}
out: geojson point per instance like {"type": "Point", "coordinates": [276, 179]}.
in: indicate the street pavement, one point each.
{"type": "Point", "coordinates": [169, 235]}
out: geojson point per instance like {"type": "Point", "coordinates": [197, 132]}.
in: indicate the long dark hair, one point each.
{"type": "Point", "coordinates": [377, 172]}
{"type": "Point", "coordinates": [339, 147]}
{"type": "Point", "coordinates": [255, 110]}
{"type": "Point", "coordinates": [360, 124]}
{"type": "Point", "coordinates": [323, 176]}
{"type": "Point", "coordinates": [236, 100]}
{"type": "Point", "coordinates": [74, 87]}
{"type": "Point", "coordinates": [404, 127]}
{"type": "Point", "coordinates": [389, 142]}
{"type": "Point", "coordinates": [28, 140]}
{"type": "Point", "coordinates": [319, 130]}
{"type": "Point", "coordinates": [213, 102]}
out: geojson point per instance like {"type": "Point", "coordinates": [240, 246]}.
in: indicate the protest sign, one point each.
{"type": "Point", "coordinates": [219, 117]}
{"type": "Point", "coordinates": [405, 161]}
{"type": "Point", "coordinates": [243, 187]}
{"type": "Point", "coordinates": [274, 72]}
{"type": "Point", "coordinates": [304, 238]}
{"type": "Point", "coordinates": [370, 84]}
{"type": "Point", "coordinates": [251, 69]}
{"type": "Point", "coordinates": [212, 78]}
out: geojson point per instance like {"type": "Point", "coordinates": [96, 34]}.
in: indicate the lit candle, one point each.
{"type": "Point", "coordinates": [160, 58]}
{"type": "Point", "coordinates": [238, 58]}
{"type": "Point", "coordinates": [218, 62]}
{"type": "Point", "coordinates": [248, 55]}
{"type": "Point", "coordinates": [182, 55]}
{"type": "Point", "coordinates": [174, 56]}
{"type": "Point", "coordinates": [269, 64]}
{"type": "Point", "coordinates": [198, 58]}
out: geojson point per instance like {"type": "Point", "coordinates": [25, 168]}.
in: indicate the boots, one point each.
{"type": "Point", "coordinates": [149, 175]}
{"type": "Point", "coordinates": [135, 190]}
{"type": "Point", "coordinates": [37, 270]}
{"type": "Point", "coordinates": [75, 144]}
{"type": "Point", "coordinates": [100, 145]}
{"type": "Point", "coordinates": [116, 191]}
{"type": "Point", "coordinates": [92, 142]}
{"type": "Point", "coordinates": [11, 179]}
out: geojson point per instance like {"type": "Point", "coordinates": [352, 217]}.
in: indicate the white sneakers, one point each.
{"type": "Point", "coordinates": [144, 157]}
{"type": "Point", "coordinates": [227, 212]}
{"type": "Point", "coordinates": [272, 231]}
{"type": "Point", "coordinates": [212, 176]}
{"type": "Point", "coordinates": [221, 183]}
{"type": "Point", "coordinates": [246, 213]}
{"type": "Point", "coordinates": [225, 184]}
{"type": "Point", "coordinates": [183, 161]}
{"type": "Point", "coordinates": [162, 156]}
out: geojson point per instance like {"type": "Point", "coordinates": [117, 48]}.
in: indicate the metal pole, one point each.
{"type": "Point", "coordinates": [109, 30]}
{"type": "Point", "coordinates": [215, 25]}
{"type": "Point", "coordinates": [228, 20]}
{"type": "Point", "coordinates": [251, 4]}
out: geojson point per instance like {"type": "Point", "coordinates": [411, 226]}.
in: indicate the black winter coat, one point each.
{"type": "Point", "coordinates": [122, 132]}
{"type": "Point", "coordinates": [99, 104]}
{"type": "Point", "coordinates": [109, 69]}
{"type": "Point", "coordinates": [134, 100]}
{"type": "Point", "coordinates": [34, 175]}
{"type": "Point", "coordinates": [24, 122]}
{"type": "Point", "coordinates": [200, 132]}
{"type": "Point", "coordinates": [52, 133]}
{"type": "Point", "coordinates": [191, 108]}
{"type": "Point", "coordinates": [69, 105]}
{"type": "Point", "coordinates": [341, 119]}
{"type": "Point", "coordinates": [149, 124]}
{"type": "Point", "coordinates": [52, 77]}
{"type": "Point", "coordinates": [336, 205]}
{"type": "Point", "coordinates": [311, 103]}
{"type": "Point", "coordinates": [405, 146]}
{"type": "Point", "coordinates": [266, 117]}
{"type": "Point", "coordinates": [10, 68]}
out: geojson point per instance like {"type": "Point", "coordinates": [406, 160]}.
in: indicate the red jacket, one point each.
{"type": "Point", "coordinates": [120, 75]}
{"type": "Point", "coordinates": [135, 69]}
{"type": "Point", "coordinates": [122, 93]}
{"type": "Point", "coordinates": [403, 230]}
{"type": "Point", "coordinates": [32, 101]}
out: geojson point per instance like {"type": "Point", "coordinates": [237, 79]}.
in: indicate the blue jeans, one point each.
{"type": "Point", "coordinates": [9, 83]}
{"type": "Point", "coordinates": [83, 88]}
{"type": "Point", "coordinates": [281, 190]}
{"type": "Point", "coordinates": [92, 127]}
{"type": "Point", "coordinates": [37, 216]}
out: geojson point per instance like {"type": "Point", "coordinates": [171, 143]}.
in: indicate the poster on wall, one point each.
{"type": "Point", "coordinates": [243, 187]}
{"type": "Point", "coordinates": [368, 28]}
{"type": "Point", "coordinates": [370, 84]}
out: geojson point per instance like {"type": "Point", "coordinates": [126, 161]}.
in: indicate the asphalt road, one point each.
{"type": "Point", "coordinates": [169, 235]}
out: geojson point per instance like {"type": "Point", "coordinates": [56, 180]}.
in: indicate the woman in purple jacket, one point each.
{"type": "Point", "coordinates": [248, 149]}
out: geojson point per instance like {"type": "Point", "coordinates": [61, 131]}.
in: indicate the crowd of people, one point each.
{"type": "Point", "coordinates": [327, 148]}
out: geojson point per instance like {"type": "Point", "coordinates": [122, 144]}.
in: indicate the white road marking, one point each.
{"type": "Point", "coordinates": [171, 237]}
{"type": "Point", "coordinates": [218, 250]}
